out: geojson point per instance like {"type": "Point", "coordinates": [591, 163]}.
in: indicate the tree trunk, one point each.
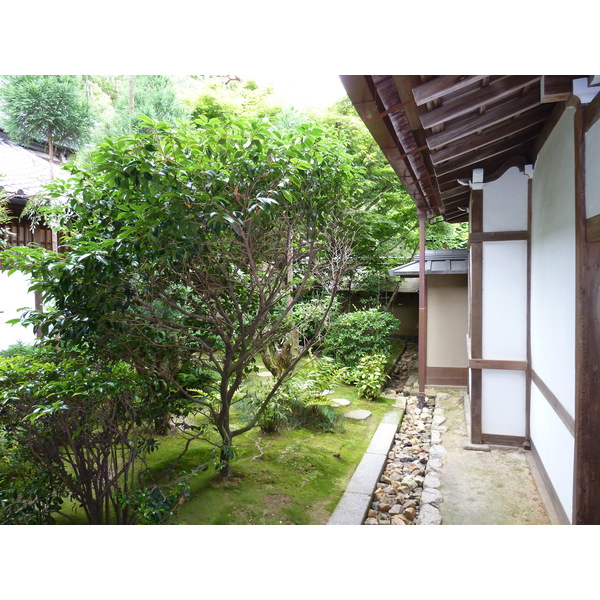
{"type": "Point", "coordinates": [131, 99]}
{"type": "Point", "coordinates": [226, 439]}
{"type": "Point", "coordinates": [51, 153]}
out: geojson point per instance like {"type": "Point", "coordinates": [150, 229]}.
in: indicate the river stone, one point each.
{"type": "Point", "coordinates": [429, 515]}
{"type": "Point", "coordinates": [409, 482]}
{"type": "Point", "coordinates": [437, 451]}
{"type": "Point", "coordinates": [431, 481]}
{"type": "Point", "coordinates": [436, 437]}
{"type": "Point", "coordinates": [431, 496]}
{"type": "Point", "coordinates": [358, 415]}
{"type": "Point", "coordinates": [410, 513]}
{"type": "Point", "coordinates": [340, 402]}
{"type": "Point", "coordinates": [438, 420]}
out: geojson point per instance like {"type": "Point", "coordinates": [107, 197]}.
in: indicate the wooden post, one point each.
{"type": "Point", "coordinates": [422, 311]}
{"type": "Point", "coordinates": [586, 509]}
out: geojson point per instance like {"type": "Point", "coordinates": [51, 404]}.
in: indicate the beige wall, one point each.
{"type": "Point", "coordinates": [447, 321]}
{"type": "Point", "coordinates": [406, 308]}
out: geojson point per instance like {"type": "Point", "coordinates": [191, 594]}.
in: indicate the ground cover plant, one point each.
{"type": "Point", "coordinates": [295, 476]}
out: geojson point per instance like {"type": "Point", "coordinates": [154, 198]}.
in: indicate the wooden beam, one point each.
{"type": "Point", "coordinates": [459, 190]}
{"type": "Point", "coordinates": [503, 440]}
{"type": "Point", "coordinates": [476, 314]}
{"type": "Point", "coordinates": [556, 88]}
{"type": "Point", "coordinates": [422, 312]}
{"type": "Point", "coordinates": [554, 402]}
{"type": "Point", "coordinates": [492, 93]}
{"type": "Point", "coordinates": [447, 376]}
{"type": "Point", "coordinates": [474, 142]}
{"type": "Point", "coordinates": [490, 151]}
{"type": "Point", "coordinates": [443, 85]}
{"type": "Point", "coordinates": [498, 236]}
{"type": "Point", "coordinates": [501, 365]}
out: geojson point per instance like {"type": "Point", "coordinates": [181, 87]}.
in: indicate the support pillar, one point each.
{"type": "Point", "coordinates": [422, 312]}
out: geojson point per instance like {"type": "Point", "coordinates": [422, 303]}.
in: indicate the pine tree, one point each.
{"type": "Point", "coordinates": [45, 108]}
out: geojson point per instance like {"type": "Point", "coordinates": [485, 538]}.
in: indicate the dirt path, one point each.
{"type": "Point", "coordinates": [485, 488]}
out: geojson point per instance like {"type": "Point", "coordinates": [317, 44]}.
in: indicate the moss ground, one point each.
{"type": "Point", "coordinates": [295, 476]}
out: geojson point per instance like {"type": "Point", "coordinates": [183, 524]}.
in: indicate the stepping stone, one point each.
{"type": "Point", "coordinates": [340, 402]}
{"type": "Point", "coordinates": [327, 392]}
{"type": "Point", "coordinates": [358, 415]}
{"type": "Point", "coordinates": [265, 374]}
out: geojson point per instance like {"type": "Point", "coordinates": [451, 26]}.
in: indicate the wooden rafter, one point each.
{"type": "Point", "coordinates": [442, 86]}
{"type": "Point", "coordinates": [490, 151]}
{"type": "Point", "coordinates": [473, 143]}
{"type": "Point", "coordinates": [493, 116]}
{"type": "Point", "coordinates": [492, 93]}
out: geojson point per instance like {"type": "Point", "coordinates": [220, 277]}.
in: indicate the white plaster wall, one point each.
{"type": "Point", "coordinates": [555, 446]}
{"type": "Point", "coordinates": [505, 202]}
{"type": "Point", "coordinates": [592, 175]}
{"type": "Point", "coordinates": [553, 283]}
{"type": "Point", "coordinates": [503, 402]}
{"type": "Point", "coordinates": [553, 304]}
{"type": "Point", "coordinates": [13, 296]}
{"type": "Point", "coordinates": [504, 328]}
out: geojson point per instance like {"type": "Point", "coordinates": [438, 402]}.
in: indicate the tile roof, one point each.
{"type": "Point", "coordinates": [437, 262]}
{"type": "Point", "coordinates": [23, 172]}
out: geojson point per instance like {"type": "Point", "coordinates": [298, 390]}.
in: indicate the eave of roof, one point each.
{"type": "Point", "coordinates": [437, 262]}
{"type": "Point", "coordinates": [435, 130]}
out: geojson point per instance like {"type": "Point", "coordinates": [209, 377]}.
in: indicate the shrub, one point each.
{"type": "Point", "coordinates": [84, 423]}
{"type": "Point", "coordinates": [301, 403]}
{"type": "Point", "coordinates": [355, 334]}
{"type": "Point", "coordinates": [370, 375]}
{"type": "Point", "coordinates": [308, 315]}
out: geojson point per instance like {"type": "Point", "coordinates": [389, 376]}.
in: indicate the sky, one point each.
{"type": "Point", "coordinates": [315, 90]}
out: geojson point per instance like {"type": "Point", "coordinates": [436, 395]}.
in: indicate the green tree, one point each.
{"type": "Point", "coordinates": [48, 108]}
{"type": "Point", "coordinates": [181, 244]}
{"type": "Point", "coordinates": [227, 96]}
{"type": "Point", "coordinates": [152, 96]}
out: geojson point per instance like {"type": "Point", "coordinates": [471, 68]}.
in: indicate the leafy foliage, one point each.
{"type": "Point", "coordinates": [313, 316]}
{"type": "Point", "coordinates": [301, 402]}
{"type": "Point", "coordinates": [181, 245]}
{"type": "Point", "coordinates": [354, 334]}
{"type": "Point", "coordinates": [78, 425]}
{"type": "Point", "coordinates": [18, 349]}
{"type": "Point", "coordinates": [45, 108]}
{"type": "Point", "coordinates": [370, 375]}
{"type": "Point", "coordinates": [154, 96]}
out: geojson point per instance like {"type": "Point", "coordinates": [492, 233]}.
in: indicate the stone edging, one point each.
{"type": "Point", "coordinates": [354, 504]}
{"type": "Point", "coordinates": [397, 481]}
